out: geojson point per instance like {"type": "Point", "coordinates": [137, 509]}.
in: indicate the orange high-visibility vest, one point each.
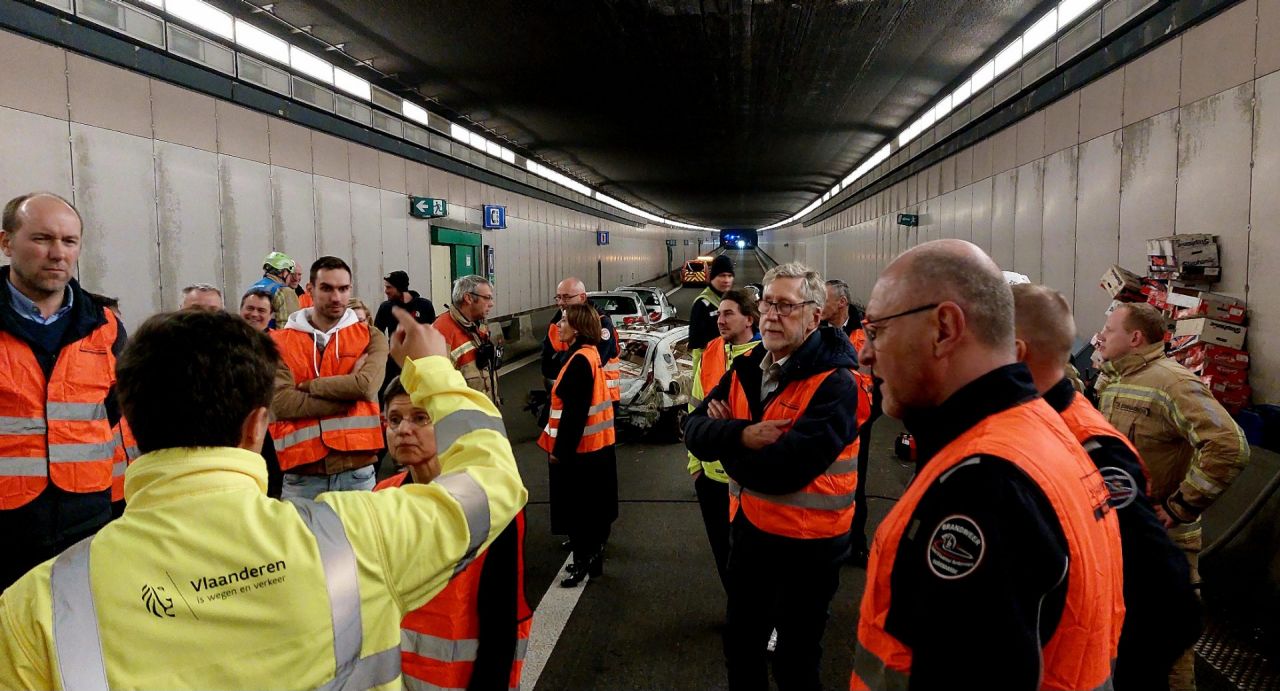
{"type": "Point", "coordinates": [307, 440]}
{"type": "Point", "coordinates": [304, 300]}
{"type": "Point", "coordinates": [713, 365]}
{"type": "Point", "coordinates": [858, 339]}
{"type": "Point", "coordinates": [126, 453]}
{"type": "Point", "coordinates": [1035, 439]}
{"type": "Point", "coordinates": [56, 430]}
{"type": "Point", "coordinates": [599, 426]}
{"type": "Point", "coordinates": [612, 368]}
{"type": "Point", "coordinates": [824, 507]}
{"type": "Point", "coordinates": [439, 640]}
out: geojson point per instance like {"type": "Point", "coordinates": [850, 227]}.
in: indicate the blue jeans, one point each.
{"type": "Point", "coordinates": [311, 486]}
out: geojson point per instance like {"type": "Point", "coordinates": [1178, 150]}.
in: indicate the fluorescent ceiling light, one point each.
{"type": "Point", "coordinates": [493, 149]}
{"type": "Point", "coordinates": [352, 84]}
{"type": "Point", "coordinates": [477, 140]}
{"type": "Point", "coordinates": [1040, 32]}
{"type": "Point", "coordinates": [984, 76]}
{"type": "Point", "coordinates": [415, 112]}
{"type": "Point", "coordinates": [203, 16]}
{"type": "Point", "coordinates": [1008, 57]}
{"type": "Point", "coordinates": [155, 3]}
{"type": "Point", "coordinates": [944, 106]}
{"type": "Point", "coordinates": [1068, 10]}
{"type": "Point", "coordinates": [962, 93]}
{"type": "Point", "coordinates": [508, 155]}
{"type": "Point", "coordinates": [261, 42]}
{"type": "Point", "coordinates": [310, 65]}
{"type": "Point", "coordinates": [460, 133]}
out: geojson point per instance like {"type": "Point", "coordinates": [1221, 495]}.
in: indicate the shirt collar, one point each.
{"type": "Point", "coordinates": [993, 392]}
{"type": "Point", "coordinates": [177, 474]}
{"type": "Point", "coordinates": [29, 310]}
{"type": "Point", "coordinates": [1134, 361]}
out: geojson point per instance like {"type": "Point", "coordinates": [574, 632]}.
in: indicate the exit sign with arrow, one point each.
{"type": "Point", "coordinates": [426, 207]}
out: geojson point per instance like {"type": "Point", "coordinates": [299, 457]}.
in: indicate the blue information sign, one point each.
{"type": "Point", "coordinates": [495, 216]}
{"type": "Point", "coordinates": [602, 237]}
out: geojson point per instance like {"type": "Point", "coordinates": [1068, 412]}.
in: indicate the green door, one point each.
{"type": "Point", "coordinates": [465, 260]}
{"type": "Point", "coordinates": [464, 250]}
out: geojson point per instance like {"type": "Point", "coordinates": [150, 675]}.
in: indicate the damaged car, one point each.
{"type": "Point", "coordinates": [657, 371]}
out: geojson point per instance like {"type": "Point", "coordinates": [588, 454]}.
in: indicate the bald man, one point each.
{"type": "Point", "coordinates": [57, 390]}
{"type": "Point", "coordinates": [1000, 565]}
{"type": "Point", "coordinates": [571, 291]}
{"type": "Point", "coordinates": [1162, 614]}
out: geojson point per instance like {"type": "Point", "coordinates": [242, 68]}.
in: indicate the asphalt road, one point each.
{"type": "Point", "coordinates": [654, 619]}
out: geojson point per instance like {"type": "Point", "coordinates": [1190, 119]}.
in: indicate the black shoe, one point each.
{"type": "Point", "coordinates": [578, 571]}
{"type": "Point", "coordinates": [576, 576]}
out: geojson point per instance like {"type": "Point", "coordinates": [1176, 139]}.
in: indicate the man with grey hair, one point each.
{"type": "Point", "coordinates": [470, 348]}
{"type": "Point", "coordinates": [783, 421]}
{"type": "Point", "coordinates": [203, 296]}
{"type": "Point", "coordinates": [1005, 527]}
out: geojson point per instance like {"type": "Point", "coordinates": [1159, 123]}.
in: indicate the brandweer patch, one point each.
{"type": "Point", "coordinates": [955, 548]}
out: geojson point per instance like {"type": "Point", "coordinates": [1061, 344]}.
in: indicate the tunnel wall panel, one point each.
{"type": "Point", "coordinates": [189, 228]}
{"type": "Point", "coordinates": [1183, 139]}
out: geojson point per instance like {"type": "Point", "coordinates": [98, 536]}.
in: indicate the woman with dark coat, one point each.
{"type": "Point", "coordinates": [579, 439]}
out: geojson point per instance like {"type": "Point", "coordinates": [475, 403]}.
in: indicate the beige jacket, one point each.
{"type": "Point", "coordinates": [1191, 446]}
{"type": "Point", "coordinates": [332, 396]}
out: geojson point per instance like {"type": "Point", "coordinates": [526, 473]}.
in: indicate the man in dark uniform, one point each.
{"type": "Point", "coordinates": [571, 291]}
{"type": "Point", "coordinates": [702, 315]}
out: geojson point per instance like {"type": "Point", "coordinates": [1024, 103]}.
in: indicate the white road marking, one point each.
{"type": "Point", "coordinates": [548, 623]}
{"type": "Point", "coordinates": [508, 369]}
{"type": "Point", "coordinates": [673, 290]}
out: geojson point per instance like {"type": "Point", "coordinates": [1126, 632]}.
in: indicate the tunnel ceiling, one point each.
{"type": "Point", "coordinates": [727, 113]}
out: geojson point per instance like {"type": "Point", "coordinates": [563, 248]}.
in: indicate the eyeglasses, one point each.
{"type": "Point", "coordinates": [870, 326]}
{"type": "Point", "coordinates": [566, 298]}
{"type": "Point", "coordinates": [417, 420]}
{"type": "Point", "coordinates": [486, 298]}
{"type": "Point", "coordinates": [784, 309]}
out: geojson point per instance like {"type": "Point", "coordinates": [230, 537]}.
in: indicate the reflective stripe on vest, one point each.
{"type": "Point", "coordinates": [598, 431]}
{"type": "Point", "coordinates": [307, 440]}
{"type": "Point", "coordinates": [824, 507]}
{"type": "Point", "coordinates": [1033, 438]}
{"type": "Point", "coordinates": [78, 644]}
{"type": "Point", "coordinates": [126, 452]}
{"type": "Point", "coordinates": [56, 429]}
{"type": "Point", "coordinates": [462, 347]}
{"type": "Point", "coordinates": [612, 368]}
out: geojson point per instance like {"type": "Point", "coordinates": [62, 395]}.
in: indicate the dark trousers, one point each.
{"type": "Point", "coordinates": [858, 531]}
{"type": "Point", "coordinates": [587, 542]}
{"type": "Point", "coordinates": [713, 499]}
{"type": "Point", "coordinates": [784, 584]}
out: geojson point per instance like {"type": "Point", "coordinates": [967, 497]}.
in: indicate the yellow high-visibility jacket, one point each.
{"type": "Point", "coordinates": [206, 583]}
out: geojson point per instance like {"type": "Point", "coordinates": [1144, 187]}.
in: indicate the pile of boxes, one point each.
{"type": "Point", "coordinates": [1207, 333]}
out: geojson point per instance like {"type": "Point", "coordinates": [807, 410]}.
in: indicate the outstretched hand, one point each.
{"type": "Point", "coordinates": [413, 340]}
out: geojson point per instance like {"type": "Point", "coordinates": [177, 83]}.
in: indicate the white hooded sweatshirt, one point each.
{"type": "Point", "coordinates": [300, 321]}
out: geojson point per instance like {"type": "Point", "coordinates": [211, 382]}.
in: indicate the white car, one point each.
{"type": "Point", "coordinates": [655, 301]}
{"type": "Point", "coordinates": [625, 307]}
{"type": "Point", "coordinates": [657, 372]}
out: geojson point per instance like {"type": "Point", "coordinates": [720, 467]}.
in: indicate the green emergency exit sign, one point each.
{"type": "Point", "coordinates": [908, 220]}
{"type": "Point", "coordinates": [427, 207]}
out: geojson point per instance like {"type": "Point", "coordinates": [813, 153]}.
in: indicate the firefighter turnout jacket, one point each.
{"type": "Point", "coordinates": [466, 341]}
{"type": "Point", "coordinates": [1191, 446]}
{"type": "Point", "coordinates": [204, 582]}
{"type": "Point", "coordinates": [1005, 530]}
{"type": "Point", "coordinates": [716, 359]}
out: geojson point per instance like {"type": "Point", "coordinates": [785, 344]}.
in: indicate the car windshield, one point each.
{"type": "Point", "coordinates": [650, 297]}
{"type": "Point", "coordinates": [695, 266]}
{"type": "Point", "coordinates": [615, 304]}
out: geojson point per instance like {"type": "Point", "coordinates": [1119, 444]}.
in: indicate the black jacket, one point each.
{"type": "Point", "coordinates": [56, 519]}
{"type": "Point", "coordinates": [815, 438]}
{"type": "Point", "coordinates": [702, 321]}
{"type": "Point", "coordinates": [421, 308]}
{"type": "Point", "coordinates": [553, 360]}
{"type": "Point", "coordinates": [1162, 612]}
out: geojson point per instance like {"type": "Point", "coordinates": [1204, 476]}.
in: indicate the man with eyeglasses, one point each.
{"type": "Point", "coordinates": [783, 421]}
{"type": "Point", "coordinates": [470, 348]}
{"type": "Point", "coordinates": [571, 291]}
{"type": "Point", "coordinates": [1000, 564]}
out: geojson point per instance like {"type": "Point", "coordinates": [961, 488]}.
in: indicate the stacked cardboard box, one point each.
{"type": "Point", "coordinates": [1123, 285]}
{"type": "Point", "coordinates": [1192, 259]}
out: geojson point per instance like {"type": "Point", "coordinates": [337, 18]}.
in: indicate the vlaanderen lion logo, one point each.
{"type": "Point", "coordinates": [956, 547]}
{"type": "Point", "coordinates": [1120, 485]}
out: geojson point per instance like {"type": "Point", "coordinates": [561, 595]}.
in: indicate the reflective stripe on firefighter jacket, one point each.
{"type": "Point", "coordinates": [1086, 422]}
{"type": "Point", "coordinates": [612, 368]}
{"type": "Point", "coordinates": [126, 452]}
{"type": "Point", "coordinates": [307, 440]}
{"type": "Point", "coordinates": [56, 429]}
{"type": "Point", "coordinates": [1034, 438]}
{"type": "Point", "coordinates": [716, 359]}
{"type": "Point", "coordinates": [824, 507]}
{"type": "Point", "coordinates": [599, 431]}
{"type": "Point", "coordinates": [440, 640]}
{"type": "Point", "coordinates": [464, 339]}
